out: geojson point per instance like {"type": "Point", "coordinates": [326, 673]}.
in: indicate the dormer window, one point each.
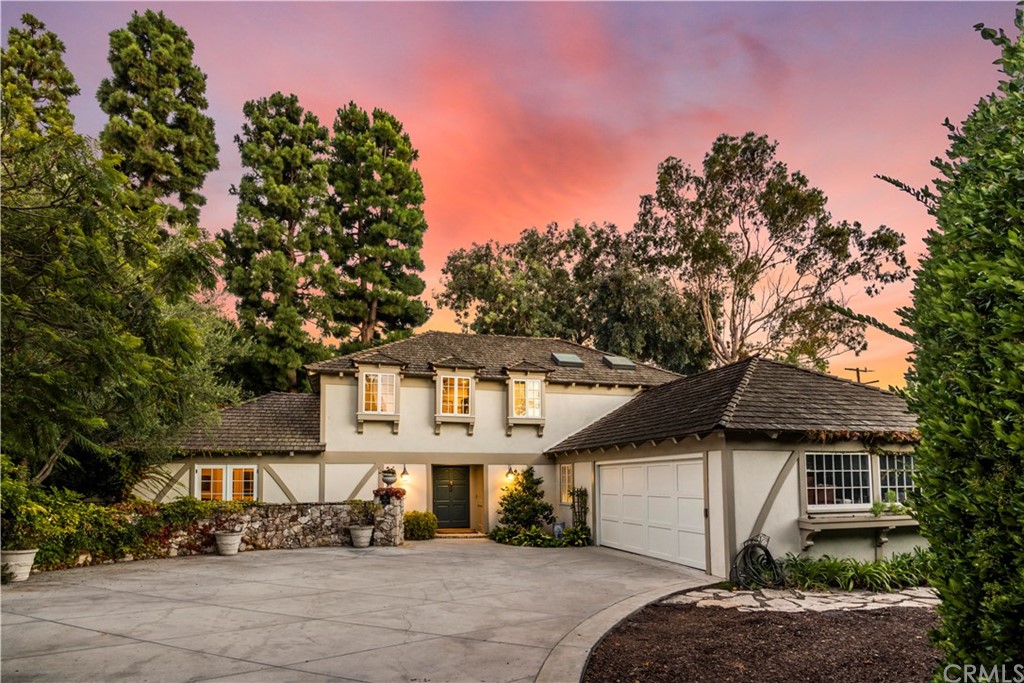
{"type": "Point", "coordinates": [379, 392]}
{"type": "Point", "coordinates": [526, 397]}
{"type": "Point", "coordinates": [455, 396]}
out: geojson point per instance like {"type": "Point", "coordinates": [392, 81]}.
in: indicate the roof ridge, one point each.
{"type": "Point", "coordinates": [741, 386]}
{"type": "Point", "coordinates": [826, 375]}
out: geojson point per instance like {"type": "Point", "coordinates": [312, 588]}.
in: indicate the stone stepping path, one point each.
{"type": "Point", "coordinates": [771, 600]}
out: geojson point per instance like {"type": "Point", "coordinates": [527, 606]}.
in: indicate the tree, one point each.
{"type": "Point", "coordinates": [155, 102]}
{"type": "Point", "coordinates": [274, 259]}
{"type": "Point", "coordinates": [377, 196]}
{"type": "Point", "coordinates": [758, 240]}
{"type": "Point", "coordinates": [967, 382]}
{"type": "Point", "coordinates": [95, 357]}
{"type": "Point", "coordinates": [582, 284]}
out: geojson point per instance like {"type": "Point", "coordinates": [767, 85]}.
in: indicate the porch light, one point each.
{"type": "Point", "coordinates": [510, 475]}
{"type": "Point", "coordinates": [405, 475]}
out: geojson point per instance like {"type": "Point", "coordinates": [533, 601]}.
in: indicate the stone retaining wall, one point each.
{"type": "Point", "coordinates": [271, 526]}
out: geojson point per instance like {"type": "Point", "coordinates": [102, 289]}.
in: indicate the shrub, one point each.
{"type": "Point", "coordinates": [363, 512]}
{"type": "Point", "coordinates": [420, 526]}
{"type": "Point", "coordinates": [522, 502]}
{"type": "Point", "coordinates": [967, 381]}
{"type": "Point", "coordinates": [900, 571]}
{"type": "Point", "coordinates": [578, 536]}
{"type": "Point", "coordinates": [24, 518]}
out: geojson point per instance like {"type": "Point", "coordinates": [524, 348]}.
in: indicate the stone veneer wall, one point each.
{"type": "Point", "coordinates": [270, 526]}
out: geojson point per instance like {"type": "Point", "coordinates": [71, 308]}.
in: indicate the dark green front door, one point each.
{"type": "Point", "coordinates": [451, 496]}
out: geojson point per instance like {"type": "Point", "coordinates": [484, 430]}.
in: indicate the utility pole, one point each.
{"type": "Point", "coordinates": [865, 371]}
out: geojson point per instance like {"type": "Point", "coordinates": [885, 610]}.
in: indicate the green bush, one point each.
{"type": "Point", "coordinates": [967, 382]}
{"type": "Point", "coordinates": [886, 575]}
{"type": "Point", "coordinates": [420, 526]}
{"type": "Point", "coordinates": [578, 536]}
{"type": "Point", "coordinates": [25, 520]}
{"type": "Point", "coordinates": [522, 503]}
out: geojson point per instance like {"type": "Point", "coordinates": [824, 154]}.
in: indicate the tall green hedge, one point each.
{"type": "Point", "coordinates": [968, 382]}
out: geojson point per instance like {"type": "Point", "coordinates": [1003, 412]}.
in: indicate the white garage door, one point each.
{"type": "Point", "coordinates": [654, 509]}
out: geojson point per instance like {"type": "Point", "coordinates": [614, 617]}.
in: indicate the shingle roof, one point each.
{"type": "Point", "coordinates": [494, 354]}
{"type": "Point", "coordinates": [752, 395]}
{"type": "Point", "coordinates": [274, 423]}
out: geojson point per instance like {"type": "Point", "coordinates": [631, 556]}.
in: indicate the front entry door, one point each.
{"type": "Point", "coordinates": [451, 496]}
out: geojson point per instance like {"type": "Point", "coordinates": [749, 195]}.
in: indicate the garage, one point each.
{"type": "Point", "coordinates": [654, 508]}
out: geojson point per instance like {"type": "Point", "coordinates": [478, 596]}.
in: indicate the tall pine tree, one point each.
{"type": "Point", "coordinates": [155, 101]}
{"type": "Point", "coordinates": [274, 258]}
{"type": "Point", "coordinates": [377, 196]}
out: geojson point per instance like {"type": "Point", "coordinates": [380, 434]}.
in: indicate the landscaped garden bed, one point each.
{"type": "Point", "coordinates": [667, 642]}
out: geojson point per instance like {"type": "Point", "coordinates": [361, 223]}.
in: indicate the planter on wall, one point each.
{"type": "Point", "coordinates": [389, 478]}
{"type": "Point", "coordinates": [19, 562]}
{"type": "Point", "coordinates": [228, 542]}
{"type": "Point", "coordinates": [361, 536]}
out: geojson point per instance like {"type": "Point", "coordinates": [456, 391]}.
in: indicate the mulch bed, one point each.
{"type": "Point", "coordinates": [690, 643]}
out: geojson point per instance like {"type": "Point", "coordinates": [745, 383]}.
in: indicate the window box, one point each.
{"type": "Point", "coordinates": [810, 526]}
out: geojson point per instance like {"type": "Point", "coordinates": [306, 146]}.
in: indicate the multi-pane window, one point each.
{"type": "Point", "coordinates": [379, 392]}
{"type": "Point", "coordinates": [455, 396]}
{"type": "Point", "coordinates": [526, 397]}
{"type": "Point", "coordinates": [838, 480]}
{"type": "Point", "coordinates": [566, 480]}
{"type": "Point", "coordinates": [210, 482]}
{"type": "Point", "coordinates": [895, 473]}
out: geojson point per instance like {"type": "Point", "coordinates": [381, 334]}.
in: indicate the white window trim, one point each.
{"type": "Point", "coordinates": [441, 417]}
{"type": "Point", "coordinates": [565, 492]}
{"type": "Point", "coordinates": [862, 509]}
{"type": "Point", "coordinates": [376, 415]}
{"type": "Point", "coordinates": [228, 479]}
{"type": "Point", "coordinates": [513, 419]}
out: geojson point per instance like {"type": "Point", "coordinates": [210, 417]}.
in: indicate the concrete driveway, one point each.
{"type": "Point", "coordinates": [441, 610]}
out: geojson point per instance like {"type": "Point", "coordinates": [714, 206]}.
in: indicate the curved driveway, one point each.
{"type": "Point", "coordinates": [442, 610]}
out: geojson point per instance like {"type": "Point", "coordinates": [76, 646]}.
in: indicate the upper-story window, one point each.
{"type": "Point", "coordinates": [379, 391]}
{"type": "Point", "coordinates": [456, 395]}
{"type": "Point", "coordinates": [526, 397]}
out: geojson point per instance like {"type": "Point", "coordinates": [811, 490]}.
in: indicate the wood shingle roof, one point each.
{"type": "Point", "coordinates": [752, 395]}
{"type": "Point", "coordinates": [493, 355]}
{"type": "Point", "coordinates": [273, 423]}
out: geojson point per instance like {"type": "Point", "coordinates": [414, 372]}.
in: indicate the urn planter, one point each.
{"type": "Point", "coordinates": [19, 562]}
{"type": "Point", "coordinates": [361, 536]}
{"type": "Point", "coordinates": [228, 542]}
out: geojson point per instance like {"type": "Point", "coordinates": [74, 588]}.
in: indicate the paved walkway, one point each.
{"type": "Point", "coordinates": [441, 610]}
{"type": "Point", "coordinates": [768, 600]}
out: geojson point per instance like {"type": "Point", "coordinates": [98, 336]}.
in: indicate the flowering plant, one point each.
{"type": "Point", "coordinates": [389, 493]}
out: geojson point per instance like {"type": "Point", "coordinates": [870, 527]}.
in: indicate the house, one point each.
{"type": "Point", "coordinates": [679, 468]}
{"type": "Point", "coordinates": [690, 469]}
{"type": "Point", "coordinates": [453, 412]}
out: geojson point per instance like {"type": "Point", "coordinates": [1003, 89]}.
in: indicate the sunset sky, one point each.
{"type": "Point", "coordinates": [528, 113]}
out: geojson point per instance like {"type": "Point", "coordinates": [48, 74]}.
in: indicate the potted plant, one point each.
{"type": "Point", "coordinates": [388, 475]}
{"type": "Point", "coordinates": [228, 541]}
{"type": "Point", "coordinates": [362, 517]}
{"type": "Point", "coordinates": [24, 522]}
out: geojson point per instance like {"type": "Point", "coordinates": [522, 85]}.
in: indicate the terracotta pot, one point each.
{"type": "Point", "coordinates": [19, 562]}
{"type": "Point", "coordinates": [228, 542]}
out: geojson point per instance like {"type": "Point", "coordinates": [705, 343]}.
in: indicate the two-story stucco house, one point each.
{"type": "Point", "coordinates": [678, 468]}
{"type": "Point", "coordinates": [453, 412]}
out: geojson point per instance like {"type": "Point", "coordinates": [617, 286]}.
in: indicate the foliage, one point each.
{"type": "Point", "coordinates": [155, 99]}
{"type": "Point", "coordinates": [890, 506]}
{"type": "Point", "coordinates": [393, 492]}
{"type": "Point", "coordinates": [886, 575]}
{"type": "Point", "coordinates": [579, 534]}
{"type": "Point", "coordinates": [968, 376]}
{"type": "Point", "coordinates": [363, 512]}
{"type": "Point", "coordinates": [583, 285]}
{"type": "Point", "coordinates": [420, 526]}
{"type": "Point", "coordinates": [522, 503]}
{"type": "Point", "coordinates": [758, 249]}
{"type": "Point", "coordinates": [274, 259]}
{"type": "Point", "coordinates": [24, 521]}
{"type": "Point", "coordinates": [102, 354]}
{"type": "Point", "coordinates": [6, 574]}
{"type": "Point", "coordinates": [533, 537]}
{"type": "Point", "coordinates": [377, 197]}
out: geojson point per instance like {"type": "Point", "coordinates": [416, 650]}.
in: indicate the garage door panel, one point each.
{"type": "Point", "coordinates": [654, 509]}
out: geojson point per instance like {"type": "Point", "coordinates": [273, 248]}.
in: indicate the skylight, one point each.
{"type": "Point", "coordinates": [567, 360]}
{"type": "Point", "coordinates": [619, 363]}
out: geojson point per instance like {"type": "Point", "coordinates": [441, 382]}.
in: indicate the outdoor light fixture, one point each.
{"type": "Point", "coordinates": [405, 475]}
{"type": "Point", "coordinates": [510, 475]}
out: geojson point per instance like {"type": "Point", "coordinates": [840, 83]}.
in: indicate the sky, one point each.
{"type": "Point", "coordinates": [530, 113]}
